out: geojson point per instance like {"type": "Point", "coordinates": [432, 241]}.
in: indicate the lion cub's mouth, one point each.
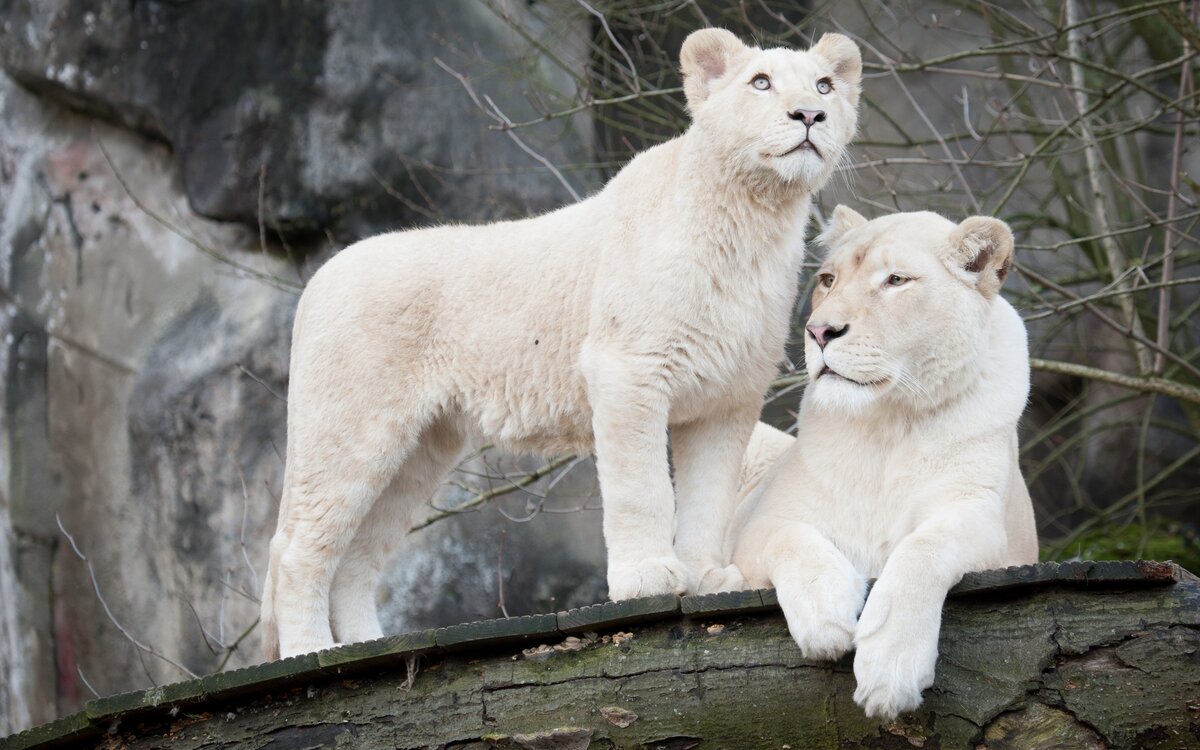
{"type": "Point", "coordinates": [827, 370]}
{"type": "Point", "coordinates": [804, 145]}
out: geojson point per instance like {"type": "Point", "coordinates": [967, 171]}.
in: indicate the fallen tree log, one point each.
{"type": "Point", "coordinates": [1073, 655]}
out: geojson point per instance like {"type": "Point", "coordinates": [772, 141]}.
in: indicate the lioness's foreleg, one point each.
{"type": "Point", "coordinates": [629, 423]}
{"type": "Point", "coordinates": [353, 612]}
{"type": "Point", "coordinates": [708, 455]}
{"type": "Point", "coordinates": [819, 589]}
{"type": "Point", "coordinates": [897, 634]}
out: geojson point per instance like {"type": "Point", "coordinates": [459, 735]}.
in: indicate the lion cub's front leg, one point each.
{"type": "Point", "coordinates": [708, 456]}
{"type": "Point", "coordinates": [629, 422]}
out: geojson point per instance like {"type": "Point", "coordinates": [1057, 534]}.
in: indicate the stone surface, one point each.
{"type": "Point", "coordinates": [123, 346]}
{"type": "Point", "coordinates": [341, 103]}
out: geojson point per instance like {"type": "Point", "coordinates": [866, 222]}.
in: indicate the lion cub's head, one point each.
{"type": "Point", "coordinates": [782, 111]}
{"type": "Point", "coordinates": [902, 308]}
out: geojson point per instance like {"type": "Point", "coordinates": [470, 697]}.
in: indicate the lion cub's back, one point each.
{"type": "Point", "coordinates": [487, 318]}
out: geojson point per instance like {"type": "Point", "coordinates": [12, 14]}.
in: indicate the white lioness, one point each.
{"type": "Point", "coordinates": [661, 302]}
{"type": "Point", "coordinates": [905, 462]}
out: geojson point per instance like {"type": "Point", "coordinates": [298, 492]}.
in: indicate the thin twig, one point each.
{"type": "Point", "coordinates": [1099, 210]}
{"type": "Point", "coordinates": [261, 382]}
{"type": "Point", "coordinates": [500, 575]}
{"type": "Point", "coordinates": [86, 683]}
{"type": "Point", "coordinates": [503, 119]}
{"type": "Point", "coordinates": [266, 278]}
{"type": "Point", "coordinates": [482, 497]}
{"type": "Point", "coordinates": [142, 647]}
{"type": "Point", "coordinates": [1143, 384]}
{"type": "Point", "coordinates": [1171, 236]}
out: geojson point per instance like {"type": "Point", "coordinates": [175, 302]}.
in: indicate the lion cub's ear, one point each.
{"type": "Point", "coordinates": [842, 220]}
{"type": "Point", "coordinates": [707, 54]}
{"type": "Point", "coordinates": [983, 246]}
{"type": "Point", "coordinates": [846, 58]}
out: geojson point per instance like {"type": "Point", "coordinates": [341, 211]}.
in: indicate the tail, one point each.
{"type": "Point", "coordinates": [266, 624]}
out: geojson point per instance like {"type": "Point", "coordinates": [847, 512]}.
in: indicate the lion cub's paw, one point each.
{"type": "Point", "coordinates": [821, 614]}
{"type": "Point", "coordinates": [716, 580]}
{"type": "Point", "coordinates": [897, 653]}
{"type": "Point", "coordinates": [649, 577]}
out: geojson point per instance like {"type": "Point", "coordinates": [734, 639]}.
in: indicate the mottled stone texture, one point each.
{"type": "Point", "coordinates": [145, 327]}
{"type": "Point", "coordinates": [340, 102]}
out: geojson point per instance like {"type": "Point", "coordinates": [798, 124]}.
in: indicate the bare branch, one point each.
{"type": "Point", "coordinates": [141, 647]}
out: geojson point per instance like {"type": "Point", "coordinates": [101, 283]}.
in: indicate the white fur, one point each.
{"type": "Point", "coordinates": [660, 303]}
{"type": "Point", "coordinates": [913, 480]}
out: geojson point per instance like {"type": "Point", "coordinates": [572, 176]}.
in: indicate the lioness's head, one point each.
{"type": "Point", "coordinates": [788, 112]}
{"type": "Point", "coordinates": [901, 307]}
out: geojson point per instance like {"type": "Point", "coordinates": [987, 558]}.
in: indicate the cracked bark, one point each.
{"type": "Point", "coordinates": [1057, 667]}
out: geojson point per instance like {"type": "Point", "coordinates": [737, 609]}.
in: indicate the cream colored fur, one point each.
{"type": "Point", "coordinates": [660, 303]}
{"type": "Point", "coordinates": [908, 474]}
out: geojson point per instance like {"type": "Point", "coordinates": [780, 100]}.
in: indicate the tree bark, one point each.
{"type": "Point", "coordinates": [1078, 655]}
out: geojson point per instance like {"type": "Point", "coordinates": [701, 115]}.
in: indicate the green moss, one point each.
{"type": "Point", "coordinates": [1157, 540]}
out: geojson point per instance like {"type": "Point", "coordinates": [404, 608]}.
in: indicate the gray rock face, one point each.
{"type": "Point", "coordinates": [144, 345]}
{"type": "Point", "coordinates": [122, 351]}
{"type": "Point", "coordinates": [338, 108]}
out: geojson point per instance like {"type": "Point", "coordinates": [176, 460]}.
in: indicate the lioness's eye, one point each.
{"type": "Point", "coordinates": [897, 280]}
{"type": "Point", "coordinates": [824, 86]}
{"type": "Point", "coordinates": [825, 280]}
{"type": "Point", "coordinates": [760, 82]}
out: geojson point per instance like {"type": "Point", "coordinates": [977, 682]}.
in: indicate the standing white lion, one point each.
{"type": "Point", "coordinates": [904, 466]}
{"type": "Point", "coordinates": [660, 303]}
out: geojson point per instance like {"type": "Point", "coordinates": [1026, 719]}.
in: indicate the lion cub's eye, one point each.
{"type": "Point", "coordinates": [760, 82]}
{"type": "Point", "coordinates": [824, 86]}
{"type": "Point", "coordinates": [897, 280]}
{"type": "Point", "coordinates": [825, 280]}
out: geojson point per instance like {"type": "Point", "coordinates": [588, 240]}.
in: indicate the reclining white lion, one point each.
{"type": "Point", "coordinates": [661, 302]}
{"type": "Point", "coordinates": [904, 466]}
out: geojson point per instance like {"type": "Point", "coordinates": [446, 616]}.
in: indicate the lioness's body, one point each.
{"type": "Point", "coordinates": [905, 466]}
{"type": "Point", "coordinates": [870, 468]}
{"type": "Point", "coordinates": [661, 302]}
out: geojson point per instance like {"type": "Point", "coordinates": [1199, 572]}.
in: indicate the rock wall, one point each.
{"type": "Point", "coordinates": [342, 102]}
{"type": "Point", "coordinates": [170, 174]}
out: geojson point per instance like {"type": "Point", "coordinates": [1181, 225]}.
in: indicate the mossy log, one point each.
{"type": "Point", "coordinates": [1077, 655]}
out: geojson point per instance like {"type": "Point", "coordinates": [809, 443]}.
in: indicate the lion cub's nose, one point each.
{"type": "Point", "coordinates": [824, 333]}
{"type": "Point", "coordinates": [810, 117]}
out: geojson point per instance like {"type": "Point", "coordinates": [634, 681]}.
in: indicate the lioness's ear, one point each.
{"type": "Point", "coordinates": [845, 56]}
{"type": "Point", "coordinates": [983, 246]}
{"type": "Point", "coordinates": [706, 55]}
{"type": "Point", "coordinates": [842, 220]}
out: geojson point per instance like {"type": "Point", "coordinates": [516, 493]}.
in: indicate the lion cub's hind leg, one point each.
{"type": "Point", "coordinates": [336, 477]}
{"type": "Point", "coordinates": [353, 613]}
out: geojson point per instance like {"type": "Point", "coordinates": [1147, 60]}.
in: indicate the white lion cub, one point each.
{"type": "Point", "coordinates": [661, 302]}
{"type": "Point", "coordinates": [905, 462]}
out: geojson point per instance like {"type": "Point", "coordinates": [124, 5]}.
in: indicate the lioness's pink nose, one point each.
{"type": "Point", "coordinates": [823, 333]}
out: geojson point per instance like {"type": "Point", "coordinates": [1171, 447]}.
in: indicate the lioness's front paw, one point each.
{"type": "Point", "coordinates": [649, 577]}
{"type": "Point", "coordinates": [897, 653]}
{"type": "Point", "coordinates": [716, 580]}
{"type": "Point", "coordinates": [821, 619]}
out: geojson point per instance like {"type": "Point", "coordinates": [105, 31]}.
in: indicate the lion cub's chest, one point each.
{"type": "Point", "coordinates": [729, 331]}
